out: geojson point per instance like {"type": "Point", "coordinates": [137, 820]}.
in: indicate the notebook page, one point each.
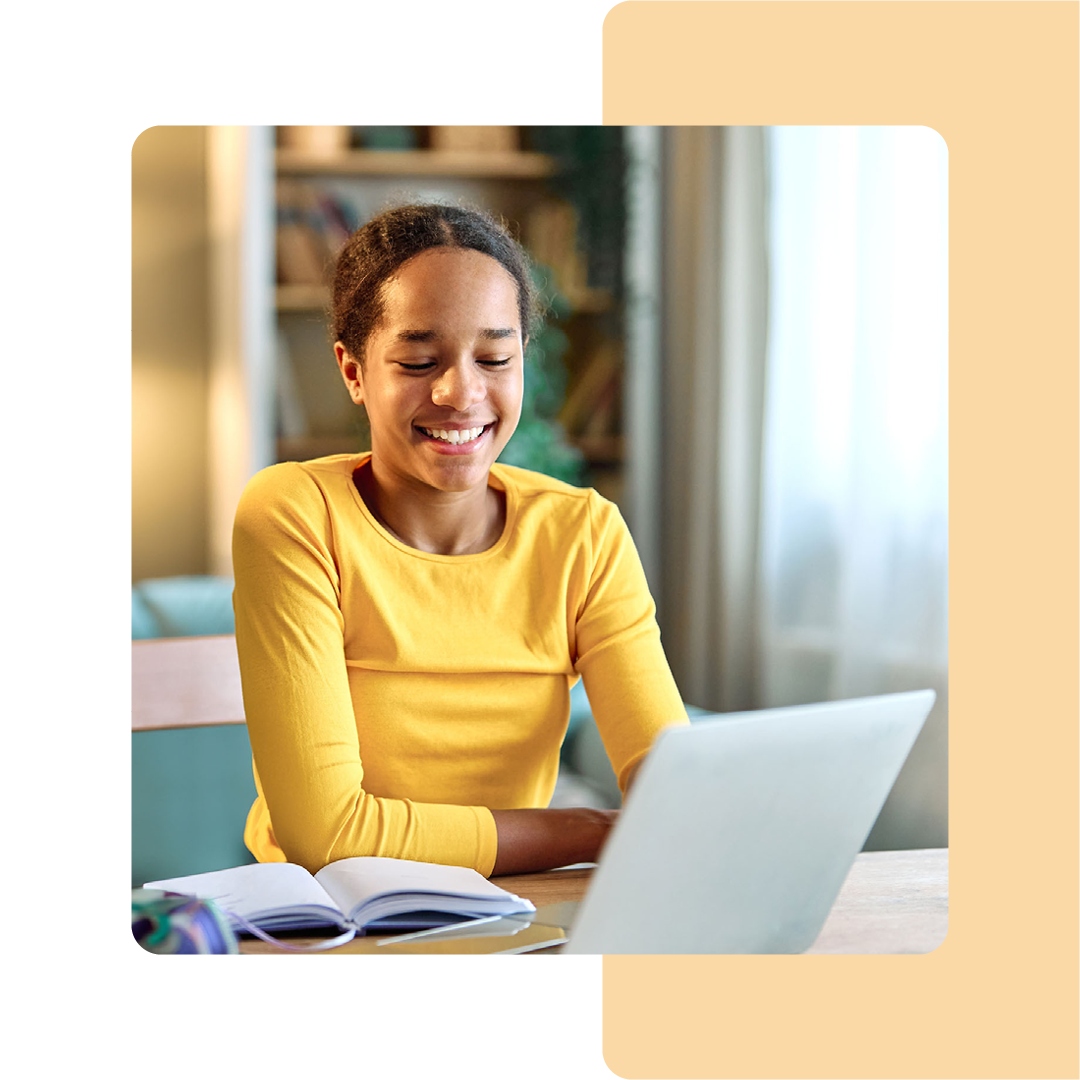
{"type": "Point", "coordinates": [256, 891]}
{"type": "Point", "coordinates": [351, 882]}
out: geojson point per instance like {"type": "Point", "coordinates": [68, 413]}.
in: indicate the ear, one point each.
{"type": "Point", "coordinates": [351, 372]}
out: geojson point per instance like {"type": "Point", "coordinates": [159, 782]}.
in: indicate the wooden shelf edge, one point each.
{"type": "Point", "coordinates": [317, 298]}
{"type": "Point", "coordinates": [506, 164]}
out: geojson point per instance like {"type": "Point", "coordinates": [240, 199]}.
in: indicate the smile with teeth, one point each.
{"type": "Point", "coordinates": [455, 438]}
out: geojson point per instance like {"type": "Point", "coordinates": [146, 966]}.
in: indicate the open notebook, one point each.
{"type": "Point", "coordinates": [354, 895]}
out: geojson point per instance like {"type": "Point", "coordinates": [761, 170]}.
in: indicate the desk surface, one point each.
{"type": "Point", "coordinates": [891, 902]}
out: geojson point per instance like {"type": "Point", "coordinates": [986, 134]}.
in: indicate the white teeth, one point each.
{"type": "Point", "coordinates": [455, 438]}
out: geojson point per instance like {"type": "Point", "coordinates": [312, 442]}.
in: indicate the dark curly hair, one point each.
{"type": "Point", "coordinates": [377, 250]}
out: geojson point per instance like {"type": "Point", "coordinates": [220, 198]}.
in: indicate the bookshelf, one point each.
{"type": "Point", "coordinates": [323, 193]}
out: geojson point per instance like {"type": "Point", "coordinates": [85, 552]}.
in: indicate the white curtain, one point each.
{"type": "Point", "coordinates": [854, 478]}
{"type": "Point", "coordinates": [805, 470]}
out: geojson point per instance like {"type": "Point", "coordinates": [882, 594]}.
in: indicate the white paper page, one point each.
{"type": "Point", "coordinates": [352, 881]}
{"type": "Point", "coordinates": [257, 890]}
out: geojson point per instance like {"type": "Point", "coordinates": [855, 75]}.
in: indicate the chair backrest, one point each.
{"type": "Point", "coordinates": [185, 682]}
{"type": "Point", "coordinates": [190, 758]}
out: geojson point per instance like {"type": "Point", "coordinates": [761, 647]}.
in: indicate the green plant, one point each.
{"type": "Point", "coordinates": [540, 443]}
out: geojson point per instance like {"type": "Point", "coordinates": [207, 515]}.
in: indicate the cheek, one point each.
{"type": "Point", "coordinates": [513, 397]}
{"type": "Point", "coordinates": [388, 401]}
{"type": "Point", "coordinates": [510, 412]}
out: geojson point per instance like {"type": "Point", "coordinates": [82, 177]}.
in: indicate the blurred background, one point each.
{"type": "Point", "coordinates": [745, 348]}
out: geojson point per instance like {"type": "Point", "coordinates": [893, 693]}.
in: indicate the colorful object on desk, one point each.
{"type": "Point", "coordinates": [166, 923]}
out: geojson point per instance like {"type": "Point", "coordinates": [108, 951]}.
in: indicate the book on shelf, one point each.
{"type": "Point", "coordinates": [312, 227]}
{"type": "Point", "coordinates": [604, 417]}
{"type": "Point", "coordinates": [302, 254]}
{"type": "Point", "coordinates": [352, 895]}
{"type": "Point", "coordinates": [551, 235]}
{"type": "Point", "coordinates": [593, 396]}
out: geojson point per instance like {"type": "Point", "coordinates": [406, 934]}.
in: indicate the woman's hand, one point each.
{"type": "Point", "coordinates": [542, 839]}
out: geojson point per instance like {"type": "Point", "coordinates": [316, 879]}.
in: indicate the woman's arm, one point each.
{"type": "Point", "coordinates": [618, 650]}
{"type": "Point", "coordinates": [542, 839]}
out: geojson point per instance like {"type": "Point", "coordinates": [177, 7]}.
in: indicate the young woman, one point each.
{"type": "Point", "coordinates": [410, 620]}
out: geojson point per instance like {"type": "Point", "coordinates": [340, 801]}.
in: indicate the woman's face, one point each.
{"type": "Point", "coordinates": [443, 373]}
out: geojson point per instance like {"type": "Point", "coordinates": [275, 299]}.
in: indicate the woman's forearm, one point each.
{"type": "Point", "coordinates": [532, 840]}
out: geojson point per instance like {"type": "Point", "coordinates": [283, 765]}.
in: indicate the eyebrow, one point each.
{"type": "Point", "coordinates": [498, 333]}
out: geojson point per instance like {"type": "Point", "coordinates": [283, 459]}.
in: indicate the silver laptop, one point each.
{"type": "Point", "coordinates": [741, 828]}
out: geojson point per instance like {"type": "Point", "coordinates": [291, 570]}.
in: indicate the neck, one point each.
{"type": "Point", "coordinates": [440, 522]}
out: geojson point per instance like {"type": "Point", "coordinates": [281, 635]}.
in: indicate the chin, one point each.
{"type": "Point", "coordinates": [459, 476]}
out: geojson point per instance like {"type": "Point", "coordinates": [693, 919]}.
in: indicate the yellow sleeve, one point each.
{"type": "Point", "coordinates": [631, 690]}
{"type": "Point", "coordinates": [289, 635]}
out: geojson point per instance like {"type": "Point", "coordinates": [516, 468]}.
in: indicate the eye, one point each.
{"type": "Point", "coordinates": [426, 366]}
{"type": "Point", "coordinates": [496, 363]}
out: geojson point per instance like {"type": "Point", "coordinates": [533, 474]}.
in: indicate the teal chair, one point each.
{"type": "Point", "coordinates": [193, 605]}
{"type": "Point", "coordinates": [190, 758]}
{"type": "Point", "coordinates": [191, 781]}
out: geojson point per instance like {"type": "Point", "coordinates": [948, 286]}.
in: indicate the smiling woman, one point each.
{"type": "Point", "coordinates": [410, 620]}
{"type": "Point", "coordinates": [442, 384]}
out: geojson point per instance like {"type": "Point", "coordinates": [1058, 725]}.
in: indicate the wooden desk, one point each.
{"type": "Point", "coordinates": [891, 902]}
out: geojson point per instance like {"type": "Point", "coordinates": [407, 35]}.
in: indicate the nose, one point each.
{"type": "Point", "coordinates": [459, 386]}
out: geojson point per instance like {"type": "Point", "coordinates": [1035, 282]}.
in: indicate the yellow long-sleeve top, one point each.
{"type": "Point", "coordinates": [395, 697]}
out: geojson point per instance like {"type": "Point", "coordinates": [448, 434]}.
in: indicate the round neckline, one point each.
{"type": "Point", "coordinates": [494, 480]}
